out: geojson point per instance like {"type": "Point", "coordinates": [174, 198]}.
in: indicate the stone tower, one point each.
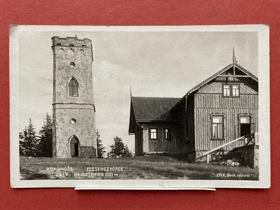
{"type": "Point", "coordinates": [74, 132]}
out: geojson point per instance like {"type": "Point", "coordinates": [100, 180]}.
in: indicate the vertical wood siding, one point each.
{"type": "Point", "coordinates": [138, 141]}
{"type": "Point", "coordinates": [175, 146]}
{"type": "Point", "coordinates": [207, 104]}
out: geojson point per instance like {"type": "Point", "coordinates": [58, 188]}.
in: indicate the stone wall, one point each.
{"type": "Point", "coordinates": [82, 72]}
{"type": "Point", "coordinates": [87, 152]}
{"type": "Point", "coordinates": [83, 129]}
{"type": "Point", "coordinates": [73, 59]}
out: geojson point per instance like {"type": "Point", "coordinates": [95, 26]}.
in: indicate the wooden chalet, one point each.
{"type": "Point", "coordinates": [217, 111]}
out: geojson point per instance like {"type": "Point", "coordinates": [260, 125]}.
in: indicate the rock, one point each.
{"type": "Point", "coordinates": [229, 162]}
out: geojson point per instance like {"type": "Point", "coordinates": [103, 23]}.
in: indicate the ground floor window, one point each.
{"type": "Point", "coordinates": [217, 127]}
{"type": "Point", "coordinates": [153, 133]}
{"type": "Point", "coordinates": [168, 134]}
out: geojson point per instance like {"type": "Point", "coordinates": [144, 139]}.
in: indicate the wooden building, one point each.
{"type": "Point", "coordinates": [155, 130]}
{"type": "Point", "coordinates": [216, 111]}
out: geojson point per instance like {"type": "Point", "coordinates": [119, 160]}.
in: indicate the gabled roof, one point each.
{"type": "Point", "coordinates": [152, 108]}
{"type": "Point", "coordinates": [209, 79]}
{"type": "Point", "coordinates": [219, 73]}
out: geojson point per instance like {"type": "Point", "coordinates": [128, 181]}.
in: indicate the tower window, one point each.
{"type": "Point", "coordinates": [73, 121]}
{"type": "Point", "coordinates": [72, 64]}
{"type": "Point", "coordinates": [73, 88]}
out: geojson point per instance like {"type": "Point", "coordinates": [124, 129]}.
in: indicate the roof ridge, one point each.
{"type": "Point", "coordinates": [210, 78]}
{"type": "Point", "coordinates": [154, 97]}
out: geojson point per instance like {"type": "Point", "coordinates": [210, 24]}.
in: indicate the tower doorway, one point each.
{"type": "Point", "coordinates": [74, 147]}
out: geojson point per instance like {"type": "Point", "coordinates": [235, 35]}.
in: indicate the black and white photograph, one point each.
{"type": "Point", "coordinates": [140, 107]}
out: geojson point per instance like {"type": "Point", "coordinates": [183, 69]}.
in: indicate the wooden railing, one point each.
{"type": "Point", "coordinates": [248, 139]}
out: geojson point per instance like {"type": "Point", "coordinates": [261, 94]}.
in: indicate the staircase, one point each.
{"type": "Point", "coordinates": [243, 155]}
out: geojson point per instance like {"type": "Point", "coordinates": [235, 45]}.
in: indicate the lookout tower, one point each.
{"type": "Point", "coordinates": [74, 132]}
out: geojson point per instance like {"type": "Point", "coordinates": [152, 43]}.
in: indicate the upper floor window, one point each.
{"type": "Point", "coordinates": [153, 133]}
{"type": "Point", "coordinates": [217, 127]}
{"type": "Point", "coordinates": [226, 90]}
{"type": "Point", "coordinates": [168, 134]}
{"type": "Point", "coordinates": [231, 90]}
{"type": "Point", "coordinates": [235, 90]}
{"type": "Point", "coordinates": [73, 87]}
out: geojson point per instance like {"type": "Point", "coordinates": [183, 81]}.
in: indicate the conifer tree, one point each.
{"type": "Point", "coordinates": [100, 148]}
{"type": "Point", "coordinates": [22, 137]}
{"type": "Point", "coordinates": [28, 141]}
{"type": "Point", "coordinates": [117, 149]}
{"type": "Point", "coordinates": [127, 152]}
{"type": "Point", "coordinates": [45, 139]}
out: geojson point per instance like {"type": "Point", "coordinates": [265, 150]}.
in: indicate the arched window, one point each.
{"type": "Point", "coordinates": [73, 87]}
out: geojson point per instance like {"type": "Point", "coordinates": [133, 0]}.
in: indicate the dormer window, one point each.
{"type": "Point", "coordinates": [231, 90]}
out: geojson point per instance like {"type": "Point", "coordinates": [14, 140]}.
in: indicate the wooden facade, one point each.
{"type": "Point", "coordinates": [153, 113]}
{"type": "Point", "coordinates": [229, 96]}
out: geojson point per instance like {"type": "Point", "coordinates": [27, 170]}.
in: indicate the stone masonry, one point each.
{"type": "Point", "coordinates": [73, 116]}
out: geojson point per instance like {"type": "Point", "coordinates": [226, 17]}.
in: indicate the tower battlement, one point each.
{"type": "Point", "coordinates": [71, 42]}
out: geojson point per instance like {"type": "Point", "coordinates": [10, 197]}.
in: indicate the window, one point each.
{"type": "Point", "coordinates": [226, 90]}
{"type": "Point", "coordinates": [73, 88]}
{"type": "Point", "coordinates": [245, 125]}
{"type": "Point", "coordinates": [235, 90]}
{"type": "Point", "coordinates": [153, 133]}
{"type": "Point", "coordinates": [217, 127]}
{"type": "Point", "coordinates": [168, 134]}
{"type": "Point", "coordinates": [72, 64]}
{"type": "Point", "coordinates": [231, 90]}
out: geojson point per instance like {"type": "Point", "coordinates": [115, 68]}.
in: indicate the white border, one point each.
{"type": "Point", "coordinates": [264, 114]}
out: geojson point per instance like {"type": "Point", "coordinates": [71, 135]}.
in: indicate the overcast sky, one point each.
{"type": "Point", "coordinates": [154, 64]}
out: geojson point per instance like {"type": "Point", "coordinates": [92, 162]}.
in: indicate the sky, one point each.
{"type": "Point", "coordinates": [153, 64]}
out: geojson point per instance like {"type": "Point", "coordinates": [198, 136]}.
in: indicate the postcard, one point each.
{"type": "Point", "coordinates": [140, 107]}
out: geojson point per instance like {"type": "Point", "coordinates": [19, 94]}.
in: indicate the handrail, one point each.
{"type": "Point", "coordinates": [219, 147]}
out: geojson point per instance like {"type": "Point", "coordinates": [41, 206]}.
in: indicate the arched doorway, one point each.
{"type": "Point", "coordinates": [74, 146]}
